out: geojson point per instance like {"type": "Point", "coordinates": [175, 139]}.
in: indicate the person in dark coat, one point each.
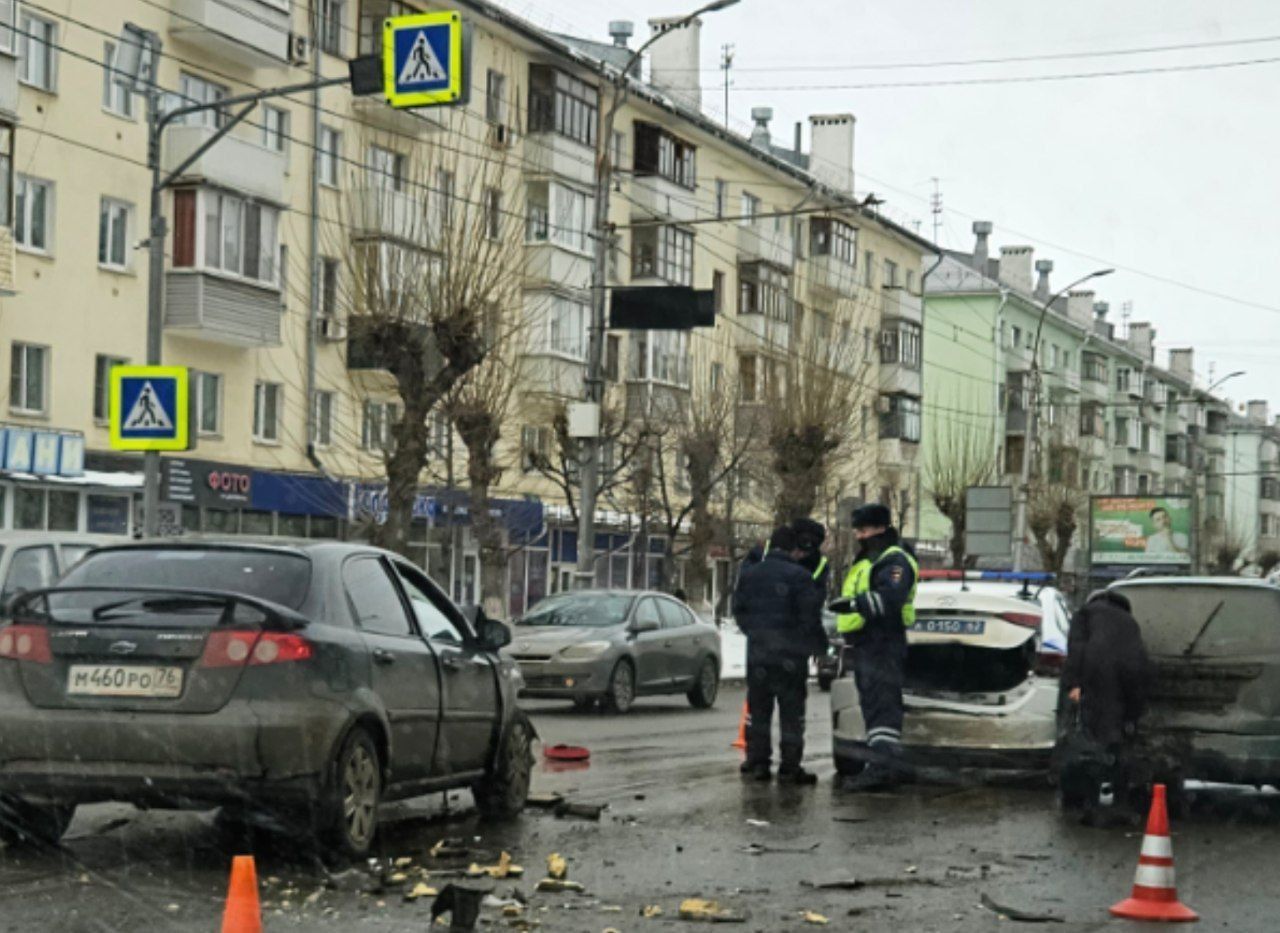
{"type": "Point", "coordinates": [810, 537]}
{"type": "Point", "coordinates": [1107, 671]}
{"type": "Point", "coordinates": [779, 609]}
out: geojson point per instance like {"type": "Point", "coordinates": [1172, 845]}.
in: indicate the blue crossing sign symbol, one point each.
{"type": "Point", "coordinates": [149, 408]}
{"type": "Point", "coordinates": [422, 59]}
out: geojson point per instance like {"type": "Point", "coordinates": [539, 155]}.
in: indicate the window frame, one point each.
{"type": "Point", "coordinates": [330, 145]}
{"type": "Point", "coordinates": [103, 363]}
{"type": "Point", "coordinates": [903, 419]}
{"type": "Point", "coordinates": [331, 24]}
{"type": "Point", "coordinates": [107, 211]}
{"type": "Point", "coordinates": [279, 132]}
{"type": "Point", "coordinates": [669, 256]}
{"type": "Point", "coordinates": [322, 404]}
{"type": "Point", "coordinates": [830, 236]}
{"type": "Point", "coordinates": [901, 344]}
{"type": "Point", "coordinates": [495, 96]}
{"type": "Point", "coordinates": [48, 40]}
{"type": "Point", "coordinates": [117, 99]}
{"type": "Point", "coordinates": [23, 213]}
{"type": "Point", "coordinates": [262, 390]}
{"type": "Point", "coordinates": [246, 209]}
{"type": "Point", "coordinates": [764, 288]}
{"type": "Point", "coordinates": [563, 104]}
{"type": "Point", "coordinates": [199, 386]}
{"type": "Point", "coordinates": [26, 349]}
{"type": "Point", "coordinates": [658, 151]}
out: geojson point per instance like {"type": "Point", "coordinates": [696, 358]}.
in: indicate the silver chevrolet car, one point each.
{"type": "Point", "coordinates": [611, 646]}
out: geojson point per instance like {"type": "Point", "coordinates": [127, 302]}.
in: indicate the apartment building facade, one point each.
{"type": "Point", "coordinates": [292, 417]}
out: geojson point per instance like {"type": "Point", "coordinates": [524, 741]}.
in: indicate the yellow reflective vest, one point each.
{"type": "Point", "coordinates": [858, 581]}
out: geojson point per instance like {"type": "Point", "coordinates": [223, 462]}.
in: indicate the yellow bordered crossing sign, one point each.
{"type": "Point", "coordinates": [422, 59]}
{"type": "Point", "coordinates": [149, 408]}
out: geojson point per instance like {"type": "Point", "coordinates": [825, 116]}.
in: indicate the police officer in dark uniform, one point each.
{"type": "Point", "coordinates": [876, 607]}
{"type": "Point", "coordinates": [779, 610]}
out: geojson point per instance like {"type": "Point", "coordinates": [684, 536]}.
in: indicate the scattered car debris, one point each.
{"type": "Point", "coordinates": [461, 903]}
{"type": "Point", "coordinates": [421, 889]}
{"type": "Point", "coordinates": [839, 884]}
{"type": "Point", "coordinates": [850, 819]}
{"type": "Point", "coordinates": [544, 801]}
{"type": "Point", "coordinates": [559, 884]}
{"type": "Point", "coordinates": [758, 823]}
{"type": "Point", "coordinates": [814, 918]}
{"type": "Point", "coordinates": [566, 753]}
{"type": "Point", "coordinates": [758, 848]}
{"type": "Point", "coordinates": [1021, 916]}
{"type": "Point", "coordinates": [450, 848]}
{"type": "Point", "coordinates": [557, 867]}
{"type": "Point", "coordinates": [699, 909]}
{"type": "Point", "coordinates": [650, 911]}
{"type": "Point", "coordinates": [504, 868]}
{"type": "Point", "coordinates": [584, 811]}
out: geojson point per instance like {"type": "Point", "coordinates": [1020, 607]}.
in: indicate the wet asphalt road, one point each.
{"type": "Point", "coordinates": [676, 826]}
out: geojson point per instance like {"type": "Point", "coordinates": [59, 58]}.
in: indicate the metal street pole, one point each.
{"type": "Point", "coordinates": [589, 482]}
{"type": "Point", "coordinates": [1024, 480]}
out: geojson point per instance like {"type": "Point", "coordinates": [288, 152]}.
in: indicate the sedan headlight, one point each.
{"type": "Point", "coordinates": [585, 651]}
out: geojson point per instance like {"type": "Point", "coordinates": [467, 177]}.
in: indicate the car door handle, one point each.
{"type": "Point", "coordinates": [383, 656]}
{"type": "Point", "coordinates": [453, 662]}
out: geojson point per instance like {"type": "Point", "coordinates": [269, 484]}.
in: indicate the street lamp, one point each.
{"type": "Point", "coordinates": [590, 483]}
{"type": "Point", "coordinates": [1228, 376]}
{"type": "Point", "coordinates": [1024, 480]}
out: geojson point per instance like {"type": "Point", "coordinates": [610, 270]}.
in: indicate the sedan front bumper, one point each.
{"type": "Point", "coordinates": [565, 679]}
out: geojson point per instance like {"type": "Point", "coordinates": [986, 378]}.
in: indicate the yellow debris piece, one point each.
{"type": "Point", "coordinates": [651, 911]}
{"type": "Point", "coordinates": [557, 867]}
{"type": "Point", "coordinates": [815, 918]}
{"type": "Point", "coordinates": [505, 868]}
{"type": "Point", "coordinates": [696, 908]}
{"type": "Point", "coordinates": [421, 889]}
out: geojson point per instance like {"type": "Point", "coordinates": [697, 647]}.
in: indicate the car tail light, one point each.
{"type": "Point", "coordinates": [1050, 662]}
{"type": "Point", "coordinates": [25, 643]}
{"type": "Point", "coordinates": [1025, 619]}
{"type": "Point", "coordinates": [238, 648]}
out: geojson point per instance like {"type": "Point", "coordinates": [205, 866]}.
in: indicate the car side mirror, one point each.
{"type": "Point", "coordinates": [643, 625]}
{"type": "Point", "coordinates": [492, 634]}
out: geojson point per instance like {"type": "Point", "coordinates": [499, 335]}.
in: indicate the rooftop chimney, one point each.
{"type": "Point", "coordinates": [1044, 267]}
{"type": "Point", "coordinates": [1015, 267]}
{"type": "Point", "coordinates": [831, 150]}
{"type": "Point", "coordinates": [799, 129]}
{"type": "Point", "coordinates": [674, 59]}
{"type": "Point", "coordinates": [1142, 338]}
{"type": "Point", "coordinates": [622, 30]}
{"type": "Point", "coordinates": [1080, 307]}
{"type": "Point", "coordinates": [760, 132]}
{"type": "Point", "coordinates": [1182, 364]}
{"type": "Point", "coordinates": [1258, 411]}
{"type": "Point", "coordinates": [981, 249]}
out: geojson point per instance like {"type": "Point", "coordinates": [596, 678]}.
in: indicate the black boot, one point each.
{"type": "Point", "coordinates": [756, 771]}
{"type": "Point", "coordinates": [796, 775]}
{"type": "Point", "coordinates": [875, 776]}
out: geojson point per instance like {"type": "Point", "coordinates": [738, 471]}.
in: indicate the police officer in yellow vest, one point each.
{"type": "Point", "coordinates": [876, 607]}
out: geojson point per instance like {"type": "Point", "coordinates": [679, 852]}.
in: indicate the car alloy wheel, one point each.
{"type": "Point", "coordinates": [703, 694]}
{"type": "Point", "coordinates": [622, 688]}
{"type": "Point", "coordinates": [360, 795]}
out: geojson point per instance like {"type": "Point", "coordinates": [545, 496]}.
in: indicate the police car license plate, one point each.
{"type": "Point", "coordinates": [124, 680]}
{"type": "Point", "coordinates": [952, 626]}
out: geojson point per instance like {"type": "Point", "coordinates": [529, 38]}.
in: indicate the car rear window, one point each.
{"type": "Point", "coordinates": [1221, 621]}
{"type": "Point", "coordinates": [580, 609]}
{"type": "Point", "coordinates": [277, 576]}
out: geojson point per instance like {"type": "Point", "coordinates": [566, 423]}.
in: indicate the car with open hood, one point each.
{"type": "Point", "coordinates": [972, 694]}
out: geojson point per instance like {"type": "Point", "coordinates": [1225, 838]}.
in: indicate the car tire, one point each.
{"type": "Point", "coordinates": [348, 815]}
{"type": "Point", "coordinates": [502, 793]}
{"type": "Point", "coordinates": [622, 688]}
{"type": "Point", "coordinates": [24, 822]}
{"type": "Point", "coordinates": [707, 686]}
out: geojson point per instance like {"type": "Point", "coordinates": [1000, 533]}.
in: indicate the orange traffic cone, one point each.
{"type": "Point", "coordinates": [1155, 897]}
{"type": "Point", "coordinates": [741, 740]}
{"type": "Point", "coordinates": [242, 914]}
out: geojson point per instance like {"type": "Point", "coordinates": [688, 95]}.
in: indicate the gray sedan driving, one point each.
{"type": "Point", "coordinates": [611, 646]}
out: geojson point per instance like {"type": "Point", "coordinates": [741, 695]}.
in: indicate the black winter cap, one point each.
{"type": "Point", "coordinates": [782, 539]}
{"type": "Point", "coordinates": [809, 533]}
{"type": "Point", "coordinates": [872, 515]}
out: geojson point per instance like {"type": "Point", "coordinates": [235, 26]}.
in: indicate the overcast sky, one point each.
{"type": "Point", "coordinates": [1166, 176]}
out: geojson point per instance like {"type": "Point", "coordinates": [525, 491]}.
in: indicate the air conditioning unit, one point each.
{"type": "Point", "coordinates": [501, 136]}
{"type": "Point", "coordinates": [329, 327]}
{"type": "Point", "coordinates": [299, 49]}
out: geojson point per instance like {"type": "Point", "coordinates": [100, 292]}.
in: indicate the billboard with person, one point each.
{"type": "Point", "coordinates": [1139, 530]}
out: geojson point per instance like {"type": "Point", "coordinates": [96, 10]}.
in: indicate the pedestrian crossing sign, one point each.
{"type": "Point", "coordinates": [149, 408]}
{"type": "Point", "coordinates": [422, 59]}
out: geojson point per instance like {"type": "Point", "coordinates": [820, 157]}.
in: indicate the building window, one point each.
{"type": "Point", "coordinates": [443, 201]}
{"type": "Point", "coordinates": [890, 274]}
{"type": "Point", "coordinates": [330, 155]}
{"type": "Point", "coordinates": [834, 238]}
{"type": "Point", "coordinates": [28, 375]}
{"type": "Point", "coordinates": [748, 384]}
{"type": "Point", "coordinates": [116, 98]}
{"type": "Point", "coordinates": [492, 213]}
{"type": "Point", "coordinates": [558, 214]}
{"type": "Point", "coordinates": [612, 355]}
{"type": "Point", "coordinates": [102, 366]}
{"type": "Point", "coordinates": [197, 90]}
{"type": "Point", "coordinates": [560, 103]}
{"type": "Point", "coordinates": [208, 391]}
{"type": "Point", "coordinates": [664, 252]}
{"type": "Point", "coordinates": [113, 233]}
{"type": "Point", "coordinates": [329, 286]}
{"type": "Point", "coordinates": [1123, 438]}
{"type": "Point", "coordinates": [722, 197]}
{"type": "Point", "coordinates": [372, 15]}
{"type": "Point", "coordinates": [376, 423]}
{"type": "Point", "coordinates": [33, 213]}
{"type": "Point", "coordinates": [331, 15]}
{"type": "Point", "coordinates": [275, 128]}
{"type": "Point", "coordinates": [750, 209]}
{"type": "Point", "coordinates": [495, 96]}
{"type": "Point", "coordinates": [1093, 420]}
{"type": "Point", "coordinates": [900, 419]}
{"type": "Point", "coordinates": [764, 289]}
{"type": "Point", "coordinates": [266, 412]}
{"type": "Point", "coordinates": [658, 152]}
{"type": "Point", "coordinates": [900, 344]}
{"type": "Point", "coordinates": [560, 326]}
{"type": "Point", "coordinates": [38, 52]}
{"type": "Point", "coordinates": [241, 237]}
{"type": "Point", "coordinates": [668, 357]}
{"type": "Point", "coordinates": [717, 291]}
{"type": "Point", "coordinates": [8, 40]}
{"type": "Point", "coordinates": [869, 268]}
{"type": "Point", "coordinates": [322, 418]}
{"type": "Point", "coordinates": [535, 446]}
{"type": "Point", "coordinates": [1094, 367]}
{"type": "Point", "coordinates": [385, 168]}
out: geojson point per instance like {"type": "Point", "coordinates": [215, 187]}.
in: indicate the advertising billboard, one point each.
{"type": "Point", "coordinates": [1141, 530]}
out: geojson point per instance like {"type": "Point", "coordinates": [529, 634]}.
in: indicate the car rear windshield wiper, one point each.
{"type": "Point", "coordinates": [1186, 652]}
{"type": "Point", "coordinates": [158, 604]}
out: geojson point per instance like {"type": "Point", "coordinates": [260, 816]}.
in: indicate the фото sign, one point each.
{"type": "Point", "coordinates": [1141, 530]}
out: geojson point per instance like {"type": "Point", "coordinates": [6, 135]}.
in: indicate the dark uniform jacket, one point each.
{"type": "Point", "coordinates": [892, 581]}
{"type": "Point", "coordinates": [779, 609]}
{"type": "Point", "coordinates": [1107, 660]}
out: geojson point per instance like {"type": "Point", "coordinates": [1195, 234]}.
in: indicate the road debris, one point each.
{"type": "Point", "coordinates": [544, 801]}
{"type": "Point", "coordinates": [1021, 916]}
{"type": "Point", "coordinates": [699, 909]}
{"type": "Point", "coordinates": [450, 848]}
{"type": "Point", "coordinates": [758, 848]}
{"type": "Point", "coordinates": [758, 823]}
{"type": "Point", "coordinates": [584, 811]}
{"type": "Point", "coordinates": [557, 867]}
{"type": "Point", "coordinates": [461, 903]}
{"type": "Point", "coordinates": [651, 911]}
{"type": "Point", "coordinates": [421, 889]}
{"type": "Point", "coordinates": [814, 918]}
{"type": "Point", "coordinates": [555, 885]}
{"type": "Point", "coordinates": [504, 868]}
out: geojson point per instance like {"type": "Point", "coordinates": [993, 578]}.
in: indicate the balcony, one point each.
{"type": "Point", "coordinates": [232, 162]}
{"type": "Point", "coordinates": [895, 452]}
{"type": "Point", "coordinates": [394, 215]}
{"type": "Point", "coordinates": [900, 303]}
{"type": "Point", "coordinates": [827, 276]}
{"type": "Point", "coordinates": [900, 379]}
{"type": "Point", "coordinates": [1015, 421]}
{"type": "Point", "coordinates": [548, 265]}
{"type": "Point", "coordinates": [553, 374]}
{"type": "Point", "coordinates": [1064, 381]}
{"type": "Point", "coordinates": [1095, 390]}
{"type": "Point", "coordinates": [8, 276]}
{"type": "Point", "coordinates": [654, 400]}
{"type": "Point", "coordinates": [376, 112]}
{"type": "Point", "coordinates": [768, 332]}
{"type": "Point", "coordinates": [246, 33]}
{"type": "Point", "coordinates": [766, 245]}
{"type": "Point", "coordinates": [656, 198]}
{"type": "Point", "coordinates": [1093, 448]}
{"type": "Point", "coordinates": [221, 310]}
{"type": "Point", "coordinates": [553, 154]}
{"type": "Point", "coordinates": [8, 83]}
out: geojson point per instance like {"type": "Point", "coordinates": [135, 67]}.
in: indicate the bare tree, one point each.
{"type": "Point", "coordinates": [430, 250]}
{"type": "Point", "coordinates": [957, 456]}
{"type": "Point", "coordinates": [1226, 546]}
{"type": "Point", "coordinates": [1056, 500]}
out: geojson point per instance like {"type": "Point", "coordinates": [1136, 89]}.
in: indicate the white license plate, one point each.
{"type": "Point", "coordinates": [952, 626]}
{"type": "Point", "coordinates": [124, 680]}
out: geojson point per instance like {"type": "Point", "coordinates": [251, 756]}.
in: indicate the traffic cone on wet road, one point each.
{"type": "Point", "coordinates": [242, 913]}
{"type": "Point", "coordinates": [1155, 896]}
{"type": "Point", "coordinates": [741, 740]}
